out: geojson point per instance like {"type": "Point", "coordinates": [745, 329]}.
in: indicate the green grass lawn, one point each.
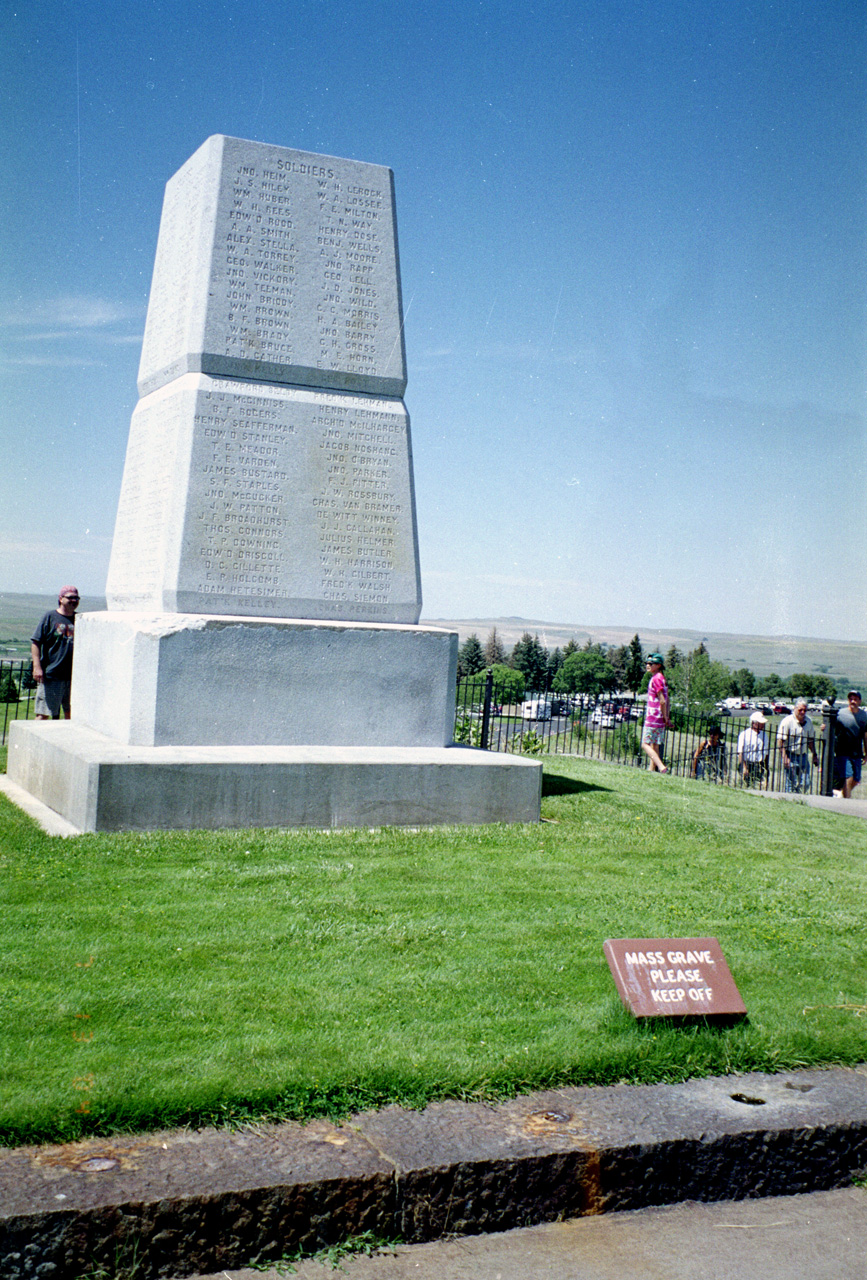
{"type": "Point", "coordinates": [175, 978]}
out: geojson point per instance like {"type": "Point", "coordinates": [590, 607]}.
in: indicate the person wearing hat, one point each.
{"type": "Point", "coordinates": [657, 717]}
{"type": "Point", "coordinates": [51, 651]}
{"type": "Point", "coordinates": [753, 752]}
{"type": "Point", "coordinates": [850, 744]}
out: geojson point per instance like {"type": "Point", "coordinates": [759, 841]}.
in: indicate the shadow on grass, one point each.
{"type": "Point", "coordinates": [554, 784]}
{"type": "Point", "coordinates": [619, 1021]}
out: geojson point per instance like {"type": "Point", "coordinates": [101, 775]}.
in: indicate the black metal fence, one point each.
{"type": "Point", "coordinates": [17, 693]}
{"type": "Point", "coordinates": [602, 728]}
{"type": "Point", "coordinates": [609, 728]}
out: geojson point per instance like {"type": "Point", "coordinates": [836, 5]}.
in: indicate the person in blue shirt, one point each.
{"type": "Point", "coordinates": [51, 651]}
{"type": "Point", "coordinates": [850, 745]}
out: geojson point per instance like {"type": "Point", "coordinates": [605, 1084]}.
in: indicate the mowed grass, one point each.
{"type": "Point", "coordinates": [185, 978]}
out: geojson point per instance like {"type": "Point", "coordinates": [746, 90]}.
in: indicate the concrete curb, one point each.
{"type": "Point", "coordinates": [852, 808]}
{"type": "Point", "coordinates": [181, 1202]}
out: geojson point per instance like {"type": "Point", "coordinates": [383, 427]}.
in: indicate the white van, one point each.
{"type": "Point", "coordinates": [537, 709]}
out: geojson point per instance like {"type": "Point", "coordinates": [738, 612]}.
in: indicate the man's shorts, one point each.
{"type": "Point", "coordinates": [51, 695]}
{"type": "Point", "coordinates": [847, 767]}
{"type": "Point", "coordinates": [654, 735]}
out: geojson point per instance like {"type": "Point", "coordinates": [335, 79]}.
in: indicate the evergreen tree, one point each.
{"type": "Point", "coordinates": [617, 655]}
{"type": "Point", "coordinates": [635, 665]}
{"type": "Point", "coordinates": [555, 662]}
{"type": "Point", "coordinates": [471, 658]}
{"type": "Point", "coordinates": [530, 657]}
{"type": "Point", "coordinates": [494, 651]}
{"type": "Point", "coordinates": [8, 687]}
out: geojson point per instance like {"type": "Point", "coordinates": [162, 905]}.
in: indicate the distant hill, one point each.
{"type": "Point", "coordinates": [839, 659]}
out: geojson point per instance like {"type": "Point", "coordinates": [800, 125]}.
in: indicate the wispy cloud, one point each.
{"type": "Point", "coordinates": [50, 362]}
{"type": "Point", "coordinates": [66, 315]}
{"type": "Point", "coordinates": [35, 548]}
{"type": "Point", "coordinates": [38, 333]}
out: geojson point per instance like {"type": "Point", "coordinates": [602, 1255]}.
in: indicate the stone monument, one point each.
{"type": "Point", "coordinates": [260, 662]}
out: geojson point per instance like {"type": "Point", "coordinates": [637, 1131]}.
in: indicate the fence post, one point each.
{"type": "Point", "coordinates": [486, 709]}
{"type": "Point", "coordinates": [829, 715]}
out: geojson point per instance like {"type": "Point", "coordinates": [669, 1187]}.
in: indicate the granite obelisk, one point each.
{"type": "Point", "coordinates": [261, 662]}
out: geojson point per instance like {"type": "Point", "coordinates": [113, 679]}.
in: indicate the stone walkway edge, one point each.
{"type": "Point", "coordinates": [184, 1201]}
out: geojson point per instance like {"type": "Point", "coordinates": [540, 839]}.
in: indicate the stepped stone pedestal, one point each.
{"type": "Point", "coordinates": [99, 784]}
{"type": "Point", "coordinates": [261, 662]}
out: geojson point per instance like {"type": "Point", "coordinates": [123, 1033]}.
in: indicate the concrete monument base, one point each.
{"type": "Point", "coordinates": [99, 784]}
{"type": "Point", "coordinates": [176, 679]}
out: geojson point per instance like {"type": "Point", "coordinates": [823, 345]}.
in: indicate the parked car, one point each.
{"type": "Point", "coordinates": [780, 709]}
{"type": "Point", "coordinates": [603, 717]}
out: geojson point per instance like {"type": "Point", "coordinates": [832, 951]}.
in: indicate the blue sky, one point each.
{"type": "Point", "coordinates": [632, 248]}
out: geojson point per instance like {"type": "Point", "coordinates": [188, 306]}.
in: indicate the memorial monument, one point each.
{"type": "Point", "coordinates": [261, 663]}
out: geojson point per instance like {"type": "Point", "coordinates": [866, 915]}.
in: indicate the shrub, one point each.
{"type": "Point", "coordinates": [530, 744]}
{"type": "Point", "coordinates": [468, 732]}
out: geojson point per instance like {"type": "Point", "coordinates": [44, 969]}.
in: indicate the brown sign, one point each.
{"type": "Point", "coordinates": [673, 977]}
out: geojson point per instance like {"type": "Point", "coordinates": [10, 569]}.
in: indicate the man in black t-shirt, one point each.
{"type": "Point", "coordinates": [850, 745]}
{"type": "Point", "coordinates": [51, 651]}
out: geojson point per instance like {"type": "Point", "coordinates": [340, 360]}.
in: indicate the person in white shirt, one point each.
{"type": "Point", "coordinates": [753, 752]}
{"type": "Point", "coordinates": [795, 738]}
